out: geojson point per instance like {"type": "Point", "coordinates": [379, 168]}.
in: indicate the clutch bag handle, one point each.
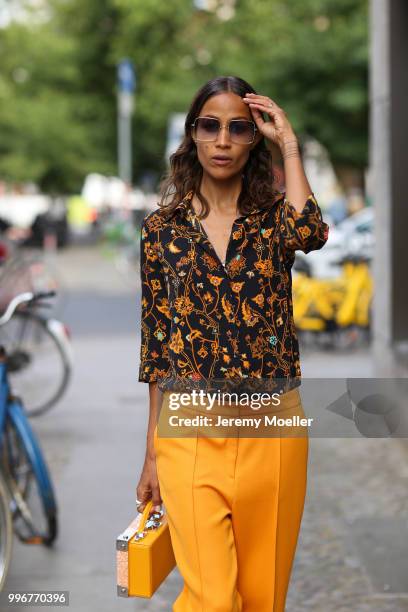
{"type": "Point", "coordinates": [146, 523]}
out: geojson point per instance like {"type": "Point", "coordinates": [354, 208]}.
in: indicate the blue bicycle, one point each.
{"type": "Point", "coordinates": [6, 532]}
{"type": "Point", "coordinates": [26, 475]}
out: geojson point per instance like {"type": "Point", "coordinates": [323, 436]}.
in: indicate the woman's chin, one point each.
{"type": "Point", "coordinates": [221, 174]}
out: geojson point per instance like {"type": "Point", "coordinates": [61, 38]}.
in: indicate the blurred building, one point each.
{"type": "Point", "coordinates": [388, 152]}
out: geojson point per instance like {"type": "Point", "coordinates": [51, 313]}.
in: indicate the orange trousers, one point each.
{"type": "Point", "coordinates": [234, 506]}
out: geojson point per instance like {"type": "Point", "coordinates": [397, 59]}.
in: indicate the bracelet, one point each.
{"type": "Point", "coordinates": [289, 149]}
{"type": "Point", "coordinates": [289, 142]}
{"type": "Point", "coordinates": [294, 154]}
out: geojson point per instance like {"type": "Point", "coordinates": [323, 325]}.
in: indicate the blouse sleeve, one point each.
{"type": "Point", "coordinates": [155, 314]}
{"type": "Point", "coordinates": [305, 231]}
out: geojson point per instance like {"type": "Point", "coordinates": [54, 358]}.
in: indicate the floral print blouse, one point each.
{"type": "Point", "coordinates": [202, 321]}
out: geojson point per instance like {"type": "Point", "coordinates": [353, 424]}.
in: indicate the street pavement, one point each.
{"type": "Point", "coordinates": [352, 552]}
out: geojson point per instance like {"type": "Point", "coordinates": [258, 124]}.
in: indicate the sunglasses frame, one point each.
{"type": "Point", "coordinates": [225, 125]}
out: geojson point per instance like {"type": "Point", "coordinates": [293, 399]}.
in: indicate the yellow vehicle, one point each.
{"type": "Point", "coordinates": [336, 310]}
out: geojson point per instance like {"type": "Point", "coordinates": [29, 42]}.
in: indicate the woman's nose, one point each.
{"type": "Point", "coordinates": [223, 135]}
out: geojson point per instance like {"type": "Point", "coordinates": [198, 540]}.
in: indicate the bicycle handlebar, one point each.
{"type": "Point", "coordinates": [23, 298]}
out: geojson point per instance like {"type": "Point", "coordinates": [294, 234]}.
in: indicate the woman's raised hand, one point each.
{"type": "Point", "coordinates": [278, 129]}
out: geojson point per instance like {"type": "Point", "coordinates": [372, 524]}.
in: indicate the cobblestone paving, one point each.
{"type": "Point", "coordinates": [349, 479]}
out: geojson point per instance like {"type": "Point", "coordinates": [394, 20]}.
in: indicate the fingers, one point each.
{"type": "Point", "coordinates": [148, 489]}
{"type": "Point", "coordinates": [263, 102]}
{"type": "Point", "coordinates": [262, 107]}
{"type": "Point", "coordinates": [156, 497]}
{"type": "Point", "coordinates": [261, 99]}
{"type": "Point", "coordinates": [266, 107]}
{"type": "Point", "coordinates": [257, 109]}
{"type": "Point", "coordinates": [256, 115]}
{"type": "Point", "coordinates": [144, 495]}
{"type": "Point", "coordinates": [157, 504]}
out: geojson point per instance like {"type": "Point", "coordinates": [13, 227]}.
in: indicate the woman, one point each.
{"type": "Point", "coordinates": [217, 306]}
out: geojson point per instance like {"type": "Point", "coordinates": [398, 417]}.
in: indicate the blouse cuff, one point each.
{"type": "Point", "coordinates": [310, 208]}
{"type": "Point", "coordinates": [148, 377]}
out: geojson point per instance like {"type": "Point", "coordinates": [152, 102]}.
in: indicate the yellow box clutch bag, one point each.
{"type": "Point", "coordinates": [144, 554]}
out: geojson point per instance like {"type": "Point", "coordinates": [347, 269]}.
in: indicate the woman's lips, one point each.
{"type": "Point", "coordinates": [220, 161]}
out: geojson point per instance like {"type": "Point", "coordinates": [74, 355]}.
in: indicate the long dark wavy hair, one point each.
{"type": "Point", "coordinates": [185, 170]}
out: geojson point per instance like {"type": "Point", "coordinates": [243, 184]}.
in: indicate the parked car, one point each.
{"type": "Point", "coordinates": [40, 213]}
{"type": "Point", "coordinates": [354, 235]}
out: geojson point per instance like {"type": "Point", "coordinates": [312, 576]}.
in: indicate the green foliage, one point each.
{"type": "Point", "coordinates": [58, 78]}
{"type": "Point", "coordinates": [57, 122]}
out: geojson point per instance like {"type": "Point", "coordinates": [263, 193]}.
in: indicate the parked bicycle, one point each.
{"type": "Point", "coordinates": [28, 269]}
{"type": "Point", "coordinates": [40, 357]}
{"type": "Point", "coordinates": [335, 311]}
{"type": "Point", "coordinates": [27, 478]}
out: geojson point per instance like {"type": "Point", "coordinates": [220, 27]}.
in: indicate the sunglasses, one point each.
{"type": "Point", "coordinates": [241, 131]}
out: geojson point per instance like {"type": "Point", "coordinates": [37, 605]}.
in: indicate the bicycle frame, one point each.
{"type": "Point", "coordinates": [4, 394]}
{"type": "Point", "coordinates": [16, 430]}
{"type": "Point", "coordinates": [12, 408]}
{"type": "Point", "coordinates": [17, 415]}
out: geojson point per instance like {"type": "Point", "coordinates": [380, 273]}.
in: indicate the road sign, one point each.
{"type": "Point", "coordinates": [126, 87]}
{"type": "Point", "coordinates": [126, 76]}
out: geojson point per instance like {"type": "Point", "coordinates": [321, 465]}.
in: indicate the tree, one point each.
{"type": "Point", "coordinates": [312, 58]}
{"type": "Point", "coordinates": [58, 78]}
{"type": "Point", "coordinates": [55, 123]}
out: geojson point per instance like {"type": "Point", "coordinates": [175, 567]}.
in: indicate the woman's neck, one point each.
{"type": "Point", "coordinates": [222, 196]}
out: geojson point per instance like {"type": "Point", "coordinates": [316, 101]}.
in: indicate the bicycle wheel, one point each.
{"type": "Point", "coordinates": [30, 270]}
{"type": "Point", "coordinates": [6, 533]}
{"type": "Point", "coordinates": [127, 261]}
{"type": "Point", "coordinates": [39, 362]}
{"type": "Point", "coordinates": [33, 504]}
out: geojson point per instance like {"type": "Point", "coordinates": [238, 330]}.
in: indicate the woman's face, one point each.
{"type": "Point", "coordinates": [225, 106]}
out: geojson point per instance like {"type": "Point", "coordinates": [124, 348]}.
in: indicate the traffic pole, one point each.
{"type": "Point", "coordinates": [126, 87]}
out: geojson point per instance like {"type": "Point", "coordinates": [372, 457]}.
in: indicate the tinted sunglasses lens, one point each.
{"type": "Point", "coordinates": [242, 132]}
{"type": "Point", "coordinates": [207, 129]}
